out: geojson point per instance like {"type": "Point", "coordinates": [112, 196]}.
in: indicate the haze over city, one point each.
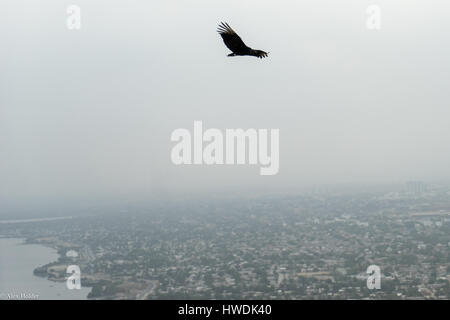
{"type": "Point", "coordinates": [90, 112]}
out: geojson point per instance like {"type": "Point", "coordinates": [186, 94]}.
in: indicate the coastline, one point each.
{"type": "Point", "coordinates": [43, 271]}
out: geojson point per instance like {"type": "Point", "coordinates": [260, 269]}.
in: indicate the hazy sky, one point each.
{"type": "Point", "coordinates": [91, 111]}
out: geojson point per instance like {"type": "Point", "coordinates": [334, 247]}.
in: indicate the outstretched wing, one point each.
{"type": "Point", "coordinates": [231, 39]}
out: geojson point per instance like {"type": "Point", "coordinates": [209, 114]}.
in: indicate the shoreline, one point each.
{"type": "Point", "coordinates": [42, 270]}
{"type": "Point", "coordinates": [61, 278]}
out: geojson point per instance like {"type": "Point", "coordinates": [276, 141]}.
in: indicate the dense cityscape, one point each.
{"type": "Point", "coordinates": [311, 245]}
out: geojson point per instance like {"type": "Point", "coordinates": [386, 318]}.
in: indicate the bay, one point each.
{"type": "Point", "coordinates": [17, 281]}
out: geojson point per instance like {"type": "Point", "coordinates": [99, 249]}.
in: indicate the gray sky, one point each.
{"type": "Point", "coordinates": [90, 112]}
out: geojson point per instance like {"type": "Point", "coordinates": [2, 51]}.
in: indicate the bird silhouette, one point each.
{"type": "Point", "coordinates": [235, 43]}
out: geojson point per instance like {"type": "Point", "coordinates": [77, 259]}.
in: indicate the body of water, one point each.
{"type": "Point", "coordinates": [17, 281]}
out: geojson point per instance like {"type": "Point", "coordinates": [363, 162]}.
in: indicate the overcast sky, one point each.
{"type": "Point", "coordinates": [90, 112]}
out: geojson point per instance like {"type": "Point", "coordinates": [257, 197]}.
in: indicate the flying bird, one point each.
{"type": "Point", "coordinates": [235, 43]}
